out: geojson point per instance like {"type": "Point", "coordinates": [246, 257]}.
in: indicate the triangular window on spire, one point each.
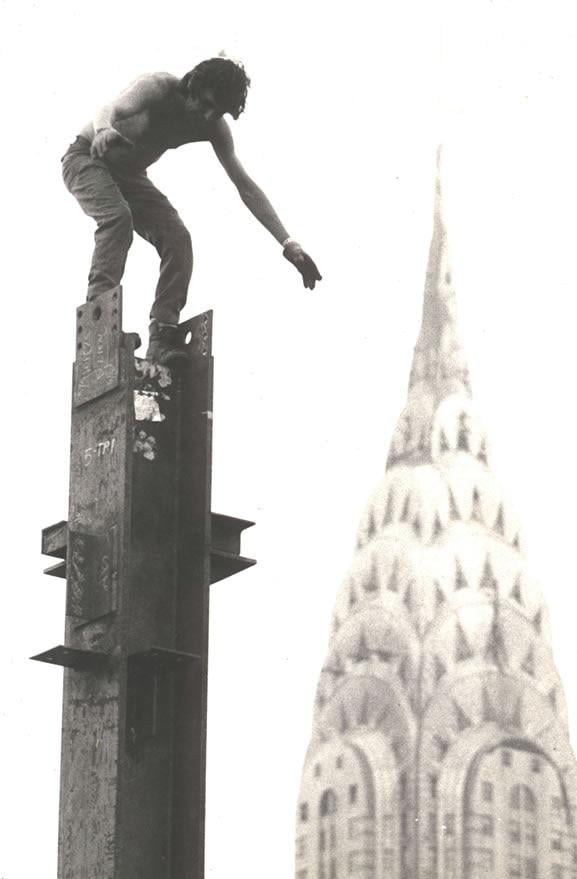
{"type": "Point", "coordinates": [439, 595]}
{"type": "Point", "coordinates": [362, 652]}
{"type": "Point", "coordinates": [462, 648]}
{"type": "Point", "coordinates": [538, 621]}
{"type": "Point", "coordinates": [440, 669]}
{"type": "Point", "coordinates": [529, 662]}
{"type": "Point", "coordinates": [516, 542]}
{"type": "Point", "coordinates": [461, 718]}
{"type": "Point", "coordinates": [453, 506]}
{"type": "Point", "coordinates": [482, 453]}
{"type": "Point", "coordinates": [488, 580]}
{"type": "Point", "coordinates": [393, 583]}
{"type": "Point", "coordinates": [372, 583]}
{"type": "Point", "coordinates": [389, 508]}
{"type": "Point", "coordinates": [437, 527]}
{"type": "Point", "coordinates": [442, 746]}
{"type": "Point", "coordinates": [499, 525]}
{"type": "Point", "coordinates": [516, 593]}
{"type": "Point", "coordinates": [371, 526]}
{"type": "Point", "coordinates": [489, 713]}
{"type": "Point", "coordinates": [406, 507]}
{"type": "Point", "coordinates": [408, 597]}
{"type": "Point", "coordinates": [495, 648]}
{"type": "Point", "coordinates": [476, 509]}
{"type": "Point", "coordinates": [463, 435]}
{"type": "Point", "coordinates": [417, 526]}
{"type": "Point", "coordinates": [443, 443]}
{"type": "Point", "coordinates": [460, 581]}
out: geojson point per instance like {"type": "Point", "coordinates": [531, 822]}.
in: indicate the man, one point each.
{"type": "Point", "coordinates": [105, 169]}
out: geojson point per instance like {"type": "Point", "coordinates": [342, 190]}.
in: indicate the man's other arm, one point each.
{"type": "Point", "coordinates": [259, 205]}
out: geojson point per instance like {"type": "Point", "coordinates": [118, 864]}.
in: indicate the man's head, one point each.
{"type": "Point", "coordinates": [215, 87]}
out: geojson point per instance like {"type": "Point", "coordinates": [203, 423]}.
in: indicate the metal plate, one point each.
{"type": "Point", "coordinates": [71, 657]}
{"type": "Point", "coordinates": [225, 564]}
{"type": "Point", "coordinates": [55, 540]}
{"type": "Point", "coordinates": [98, 336]}
{"type": "Point", "coordinates": [226, 532]}
{"type": "Point", "coordinates": [91, 574]}
{"type": "Point", "coordinates": [196, 334]}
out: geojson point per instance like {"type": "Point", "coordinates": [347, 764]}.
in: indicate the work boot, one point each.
{"type": "Point", "coordinates": [164, 346]}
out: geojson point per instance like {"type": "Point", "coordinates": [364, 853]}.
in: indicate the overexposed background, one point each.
{"type": "Point", "coordinates": [347, 105]}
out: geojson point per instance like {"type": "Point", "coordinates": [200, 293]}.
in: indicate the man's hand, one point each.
{"type": "Point", "coordinates": [302, 261]}
{"type": "Point", "coordinates": [104, 139]}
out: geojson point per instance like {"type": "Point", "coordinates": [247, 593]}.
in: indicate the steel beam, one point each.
{"type": "Point", "coordinates": [140, 549]}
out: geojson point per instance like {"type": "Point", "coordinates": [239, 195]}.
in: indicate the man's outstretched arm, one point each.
{"type": "Point", "coordinates": [259, 205]}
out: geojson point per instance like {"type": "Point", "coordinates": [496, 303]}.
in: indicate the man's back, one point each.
{"type": "Point", "coordinates": [151, 114]}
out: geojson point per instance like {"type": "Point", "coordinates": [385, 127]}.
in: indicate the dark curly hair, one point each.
{"type": "Point", "coordinates": [228, 79]}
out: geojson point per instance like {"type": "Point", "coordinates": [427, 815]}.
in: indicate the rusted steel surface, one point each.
{"type": "Point", "coordinates": [138, 572]}
{"type": "Point", "coordinates": [146, 757]}
{"type": "Point", "coordinates": [96, 559]}
{"type": "Point", "coordinates": [92, 574]}
{"type": "Point", "coordinates": [139, 562]}
{"type": "Point", "coordinates": [194, 463]}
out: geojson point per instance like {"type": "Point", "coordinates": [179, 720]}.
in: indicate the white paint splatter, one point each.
{"type": "Point", "coordinates": [146, 406]}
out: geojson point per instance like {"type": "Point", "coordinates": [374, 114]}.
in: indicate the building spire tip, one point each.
{"type": "Point", "coordinates": [438, 355]}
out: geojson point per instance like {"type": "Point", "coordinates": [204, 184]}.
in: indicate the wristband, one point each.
{"type": "Point", "coordinates": [288, 241]}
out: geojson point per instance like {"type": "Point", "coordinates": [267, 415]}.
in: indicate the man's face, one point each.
{"type": "Point", "coordinates": [201, 105]}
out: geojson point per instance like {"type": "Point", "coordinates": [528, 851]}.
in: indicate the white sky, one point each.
{"type": "Point", "coordinates": [340, 130]}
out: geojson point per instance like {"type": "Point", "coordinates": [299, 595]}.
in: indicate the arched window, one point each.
{"type": "Point", "coordinates": [328, 803]}
{"type": "Point", "coordinates": [523, 832]}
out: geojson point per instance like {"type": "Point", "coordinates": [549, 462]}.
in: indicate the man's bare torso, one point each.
{"type": "Point", "coordinates": [162, 126]}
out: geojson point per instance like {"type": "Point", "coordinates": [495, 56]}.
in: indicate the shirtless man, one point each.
{"type": "Point", "coordinates": [105, 169]}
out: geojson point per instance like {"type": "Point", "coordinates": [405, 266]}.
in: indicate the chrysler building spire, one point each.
{"type": "Point", "coordinates": [439, 360]}
{"type": "Point", "coordinates": [440, 747]}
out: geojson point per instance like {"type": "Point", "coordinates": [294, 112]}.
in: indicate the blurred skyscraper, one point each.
{"type": "Point", "coordinates": [440, 744]}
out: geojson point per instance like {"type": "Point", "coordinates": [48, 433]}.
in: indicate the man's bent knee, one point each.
{"type": "Point", "coordinates": [119, 222]}
{"type": "Point", "coordinates": [179, 240]}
